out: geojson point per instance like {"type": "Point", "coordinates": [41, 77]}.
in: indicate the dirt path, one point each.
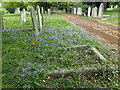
{"type": "Point", "coordinates": [108, 33]}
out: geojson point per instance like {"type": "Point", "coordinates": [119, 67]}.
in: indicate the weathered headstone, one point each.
{"type": "Point", "coordinates": [72, 11]}
{"type": "Point", "coordinates": [111, 6]}
{"type": "Point", "coordinates": [34, 21]}
{"type": "Point", "coordinates": [89, 11]}
{"type": "Point", "coordinates": [79, 11]}
{"type": "Point", "coordinates": [24, 15]}
{"type": "Point", "coordinates": [39, 18]}
{"type": "Point", "coordinates": [95, 12]}
{"type": "Point", "coordinates": [21, 17]}
{"type": "Point", "coordinates": [1, 20]}
{"type": "Point", "coordinates": [17, 10]}
{"type": "Point", "coordinates": [100, 13]}
{"type": "Point", "coordinates": [42, 13]}
{"type": "Point", "coordinates": [75, 11]}
{"type": "Point", "coordinates": [49, 12]}
{"type": "Point", "coordinates": [92, 15]}
{"type": "Point", "coordinates": [64, 10]}
{"type": "Point", "coordinates": [116, 6]}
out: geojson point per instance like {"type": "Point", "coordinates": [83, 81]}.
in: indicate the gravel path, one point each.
{"type": "Point", "coordinates": [106, 32]}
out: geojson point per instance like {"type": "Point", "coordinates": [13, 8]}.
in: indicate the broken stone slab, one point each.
{"type": "Point", "coordinates": [92, 48]}
{"type": "Point", "coordinates": [83, 70]}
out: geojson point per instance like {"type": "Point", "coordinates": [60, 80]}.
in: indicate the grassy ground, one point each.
{"type": "Point", "coordinates": [27, 58]}
{"type": "Point", "coordinates": [112, 12]}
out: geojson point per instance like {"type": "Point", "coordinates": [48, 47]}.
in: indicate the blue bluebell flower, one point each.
{"type": "Point", "coordinates": [23, 75]}
{"type": "Point", "coordinates": [34, 72]}
{"type": "Point", "coordinates": [25, 69]}
{"type": "Point", "coordinates": [76, 57]}
{"type": "Point", "coordinates": [40, 66]}
{"type": "Point", "coordinates": [29, 63]}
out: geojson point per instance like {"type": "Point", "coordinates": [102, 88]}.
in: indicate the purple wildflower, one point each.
{"type": "Point", "coordinates": [25, 69]}
{"type": "Point", "coordinates": [75, 57]}
{"type": "Point", "coordinates": [29, 63]}
{"type": "Point", "coordinates": [40, 65]}
{"type": "Point", "coordinates": [23, 75]}
{"type": "Point", "coordinates": [34, 72]}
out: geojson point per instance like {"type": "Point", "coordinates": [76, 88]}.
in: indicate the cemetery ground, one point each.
{"type": "Point", "coordinates": [28, 61]}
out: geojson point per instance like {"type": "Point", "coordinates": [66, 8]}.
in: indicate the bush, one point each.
{"type": "Point", "coordinates": [10, 9]}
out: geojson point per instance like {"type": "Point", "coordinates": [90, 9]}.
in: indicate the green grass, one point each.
{"type": "Point", "coordinates": [27, 58]}
{"type": "Point", "coordinates": [112, 20]}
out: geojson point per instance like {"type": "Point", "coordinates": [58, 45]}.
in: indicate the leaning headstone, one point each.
{"type": "Point", "coordinates": [24, 15]}
{"type": "Point", "coordinates": [75, 11]}
{"type": "Point", "coordinates": [100, 13]}
{"type": "Point", "coordinates": [89, 11]}
{"type": "Point", "coordinates": [95, 12]}
{"type": "Point", "coordinates": [39, 18]}
{"type": "Point", "coordinates": [79, 11]}
{"type": "Point", "coordinates": [49, 12]}
{"type": "Point", "coordinates": [34, 21]}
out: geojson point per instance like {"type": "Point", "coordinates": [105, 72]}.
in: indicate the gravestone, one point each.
{"type": "Point", "coordinates": [49, 12]}
{"type": "Point", "coordinates": [89, 11]}
{"type": "Point", "coordinates": [39, 18]}
{"type": "Point", "coordinates": [92, 15]}
{"type": "Point", "coordinates": [34, 21]}
{"type": "Point", "coordinates": [95, 12]}
{"type": "Point", "coordinates": [72, 11]}
{"type": "Point", "coordinates": [111, 6]}
{"type": "Point", "coordinates": [21, 17]}
{"type": "Point", "coordinates": [42, 13]}
{"type": "Point", "coordinates": [17, 10]}
{"type": "Point", "coordinates": [116, 6]}
{"type": "Point", "coordinates": [64, 10]}
{"type": "Point", "coordinates": [1, 20]}
{"type": "Point", "coordinates": [79, 11]}
{"type": "Point", "coordinates": [75, 11]}
{"type": "Point", "coordinates": [24, 15]}
{"type": "Point", "coordinates": [100, 13]}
